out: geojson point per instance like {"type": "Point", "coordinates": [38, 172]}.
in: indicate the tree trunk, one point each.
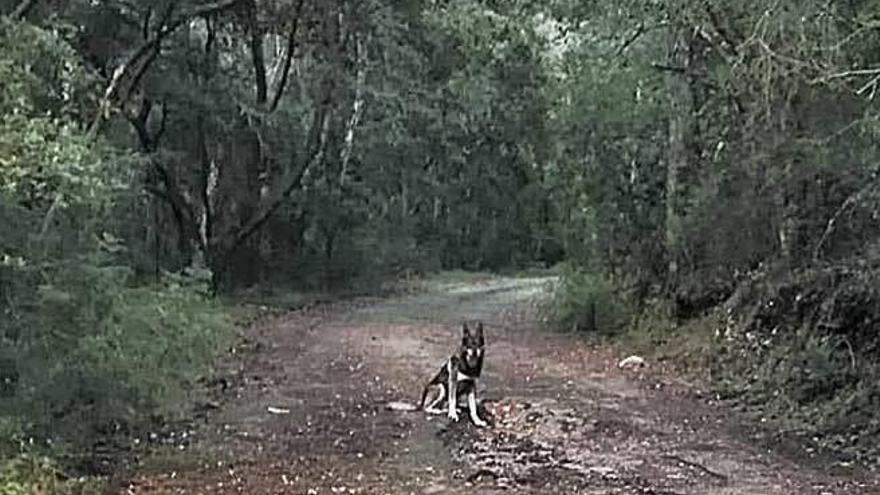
{"type": "Point", "coordinates": [357, 107]}
{"type": "Point", "coordinates": [678, 152]}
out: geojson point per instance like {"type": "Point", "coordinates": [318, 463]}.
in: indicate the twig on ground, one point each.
{"type": "Point", "coordinates": [696, 466]}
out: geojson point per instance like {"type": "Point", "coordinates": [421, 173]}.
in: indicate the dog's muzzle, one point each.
{"type": "Point", "coordinates": [471, 358]}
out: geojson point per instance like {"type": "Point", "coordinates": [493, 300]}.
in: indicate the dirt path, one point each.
{"type": "Point", "coordinates": [568, 420]}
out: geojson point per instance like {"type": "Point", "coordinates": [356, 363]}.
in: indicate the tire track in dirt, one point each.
{"type": "Point", "coordinates": [569, 421]}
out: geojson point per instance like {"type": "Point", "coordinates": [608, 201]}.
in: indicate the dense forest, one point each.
{"type": "Point", "coordinates": [679, 160]}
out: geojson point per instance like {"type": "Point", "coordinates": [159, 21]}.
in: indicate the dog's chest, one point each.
{"type": "Point", "coordinates": [463, 377]}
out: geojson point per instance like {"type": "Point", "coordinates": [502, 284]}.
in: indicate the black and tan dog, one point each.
{"type": "Point", "coordinates": [457, 378]}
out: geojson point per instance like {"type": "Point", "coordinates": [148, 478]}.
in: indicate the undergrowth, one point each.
{"type": "Point", "coordinates": [795, 352]}
{"type": "Point", "coordinates": [91, 358]}
{"type": "Point", "coordinates": [31, 474]}
{"type": "Point", "coordinates": [686, 346]}
{"type": "Point", "coordinates": [585, 301]}
{"type": "Point", "coordinates": [800, 357]}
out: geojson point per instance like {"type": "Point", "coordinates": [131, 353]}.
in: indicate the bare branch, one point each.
{"type": "Point", "coordinates": [784, 58]}
{"type": "Point", "coordinates": [288, 59]}
{"type": "Point", "coordinates": [850, 202]}
{"type": "Point", "coordinates": [322, 121]}
{"type": "Point", "coordinates": [357, 106]}
{"type": "Point", "coordinates": [161, 131]}
{"type": "Point", "coordinates": [208, 185]}
{"type": "Point", "coordinates": [50, 214]}
{"type": "Point", "coordinates": [668, 68]}
{"type": "Point", "coordinates": [211, 36]}
{"type": "Point", "coordinates": [640, 30]}
{"type": "Point", "coordinates": [145, 29]}
{"type": "Point", "coordinates": [127, 76]}
{"type": "Point", "coordinates": [846, 74]}
{"type": "Point", "coordinates": [181, 207]}
{"type": "Point", "coordinates": [696, 465]}
{"type": "Point", "coordinates": [728, 38]}
{"type": "Point", "coordinates": [257, 56]}
{"type": "Point", "coordinates": [22, 9]}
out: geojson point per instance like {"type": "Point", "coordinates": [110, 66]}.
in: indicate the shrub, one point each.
{"type": "Point", "coordinates": [28, 474]}
{"type": "Point", "coordinates": [85, 350]}
{"type": "Point", "coordinates": [800, 354]}
{"type": "Point", "coordinates": [586, 301]}
{"type": "Point", "coordinates": [90, 353]}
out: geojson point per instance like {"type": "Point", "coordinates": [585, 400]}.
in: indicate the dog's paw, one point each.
{"type": "Point", "coordinates": [453, 415]}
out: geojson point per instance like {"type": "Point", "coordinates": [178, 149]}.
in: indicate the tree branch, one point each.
{"type": "Point", "coordinates": [288, 59]}
{"type": "Point", "coordinates": [208, 184]}
{"type": "Point", "coordinates": [22, 9]}
{"type": "Point", "coordinates": [257, 56]}
{"type": "Point", "coordinates": [640, 30]}
{"type": "Point", "coordinates": [183, 211]}
{"type": "Point", "coordinates": [851, 201]}
{"type": "Point", "coordinates": [145, 28]}
{"type": "Point", "coordinates": [668, 68]}
{"type": "Point", "coordinates": [321, 127]}
{"type": "Point", "coordinates": [846, 74]}
{"type": "Point", "coordinates": [139, 122]}
{"type": "Point", "coordinates": [727, 36]}
{"type": "Point", "coordinates": [357, 107]}
{"type": "Point", "coordinates": [128, 75]}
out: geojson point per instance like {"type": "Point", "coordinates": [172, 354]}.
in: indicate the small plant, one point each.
{"type": "Point", "coordinates": [801, 358]}
{"type": "Point", "coordinates": [93, 354]}
{"type": "Point", "coordinates": [586, 301]}
{"type": "Point", "coordinates": [30, 474]}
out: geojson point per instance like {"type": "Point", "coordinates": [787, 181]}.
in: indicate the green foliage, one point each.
{"type": "Point", "coordinates": [29, 474]}
{"type": "Point", "coordinates": [45, 157]}
{"type": "Point", "coordinates": [41, 71]}
{"type": "Point", "coordinates": [687, 346]}
{"type": "Point", "coordinates": [86, 349]}
{"type": "Point", "coordinates": [701, 141]}
{"type": "Point", "coordinates": [801, 356]}
{"type": "Point", "coordinates": [588, 302]}
{"type": "Point", "coordinates": [46, 160]}
{"type": "Point", "coordinates": [91, 352]}
{"type": "Point", "coordinates": [666, 147]}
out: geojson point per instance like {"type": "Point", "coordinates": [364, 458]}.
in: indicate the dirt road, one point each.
{"type": "Point", "coordinates": [568, 420]}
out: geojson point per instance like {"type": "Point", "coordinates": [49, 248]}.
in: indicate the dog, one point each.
{"type": "Point", "coordinates": [457, 378]}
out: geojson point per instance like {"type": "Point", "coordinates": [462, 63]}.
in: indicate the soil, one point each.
{"type": "Point", "coordinates": [305, 413]}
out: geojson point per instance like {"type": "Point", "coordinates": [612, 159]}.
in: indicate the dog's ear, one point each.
{"type": "Point", "coordinates": [465, 331]}
{"type": "Point", "coordinates": [480, 331]}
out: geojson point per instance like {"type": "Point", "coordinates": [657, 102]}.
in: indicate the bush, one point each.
{"type": "Point", "coordinates": [656, 334]}
{"type": "Point", "coordinates": [85, 350]}
{"type": "Point", "coordinates": [586, 301]}
{"type": "Point", "coordinates": [88, 353]}
{"type": "Point", "coordinates": [28, 474]}
{"type": "Point", "coordinates": [800, 353]}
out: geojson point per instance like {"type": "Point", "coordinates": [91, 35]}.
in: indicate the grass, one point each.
{"type": "Point", "coordinates": [29, 474]}
{"type": "Point", "coordinates": [169, 458]}
{"type": "Point", "coordinates": [688, 346]}
{"type": "Point", "coordinates": [458, 277]}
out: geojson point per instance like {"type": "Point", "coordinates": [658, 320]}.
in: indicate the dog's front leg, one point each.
{"type": "Point", "coordinates": [472, 407]}
{"type": "Point", "coordinates": [451, 392]}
